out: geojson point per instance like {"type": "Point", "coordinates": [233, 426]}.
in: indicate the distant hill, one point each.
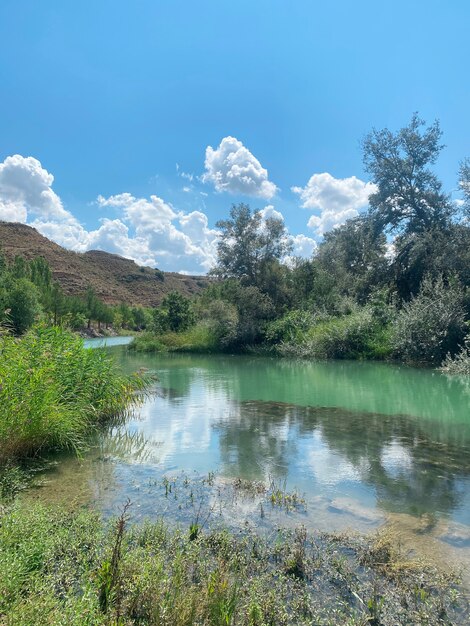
{"type": "Point", "coordinates": [114, 278]}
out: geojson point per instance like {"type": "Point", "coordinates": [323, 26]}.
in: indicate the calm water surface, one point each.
{"type": "Point", "coordinates": [364, 442]}
{"type": "Point", "coordinates": [108, 342]}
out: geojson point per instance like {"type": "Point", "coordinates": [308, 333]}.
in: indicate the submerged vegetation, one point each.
{"type": "Point", "coordinates": [53, 392]}
{"type": "Point", "coordinates": [68, 567]}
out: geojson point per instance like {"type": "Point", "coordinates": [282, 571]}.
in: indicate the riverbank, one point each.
{"type": "Point", "coordinates": [199, 340]}
{"type": "Point", "coordinates": [62, 566]}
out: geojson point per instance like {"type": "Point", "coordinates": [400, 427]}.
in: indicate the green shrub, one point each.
{"type": "Point", "coordinates": [147, 342]}
{"type": "Point", "coordinates": [460, 363]}
{"type": "Point", "coordinates": [198, 338]}
{"type": "Point", "coordinates": [292, 327]}
{"type": "Point", "coordinates": [23, 305]}
{"type": "Point", "coordinates": [431, 325]}
{"type": "Point", "coordinates": [53, 391]}
{"type": "Point", "coordinates": [356, 336]}
{"type": "Point", "coordinates": [222, 319]}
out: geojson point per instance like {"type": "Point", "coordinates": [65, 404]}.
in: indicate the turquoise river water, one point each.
{"type": "Point", "coordinates": [366, 444]}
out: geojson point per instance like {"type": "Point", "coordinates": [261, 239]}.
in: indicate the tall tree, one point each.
{"type": "Point", "coordinates": [409, 196]}
{"type": "Point", "coordinates": [248, 244]}
{"type": "Point", "coordinates": [41, 274]}
{"type": "Point", "coordinates": [23, 305]}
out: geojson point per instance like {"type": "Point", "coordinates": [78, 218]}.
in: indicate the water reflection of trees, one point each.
{"type": "Point", "coordinates": [262, 436]}
{"type": "Point", "coordinates": [425, 478]}
{"type": "Point", "coordinates": [256, 440]}
{"type": "Point", "coordinates": [359, 386]}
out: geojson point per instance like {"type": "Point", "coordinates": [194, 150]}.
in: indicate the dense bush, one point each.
{"type": "Point", "coordinates": [431, 325]}
{"type": "Point", "coordinates": [198, 338]}
{"type": "Point", "coordinates": [291, 327]}
{"type": "Point", "coordinates": [460, 363]}
{"type": "Point", "coordinates": [222, 319]}
{"type": "Point", "coordinates": [358, 335]}
{"type": "Point", "coordinates": [23, 305]}
{"type": "Point", "coordinates": [53, 391]}
{"type": "Point", "coordinates": [174, 314]}
{"type": "Point", "coordinates": [232, 320]}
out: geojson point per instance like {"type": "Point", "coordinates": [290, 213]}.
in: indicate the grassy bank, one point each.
{"type": "Point", "coordinates": [197, 339]}
{"type": "Point", "coordinates": [53, 391]}
{"type": "Point", "coordinates": [59, 567]}
{"type": "Point", "coordinates": [356, 336]}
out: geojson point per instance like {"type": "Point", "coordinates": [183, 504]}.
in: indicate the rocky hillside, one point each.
{"type": "Point", "coordinates": [114, 278]}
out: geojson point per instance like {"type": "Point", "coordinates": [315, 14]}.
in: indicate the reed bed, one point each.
{"type": "Point", "coordinates": [53, 392]}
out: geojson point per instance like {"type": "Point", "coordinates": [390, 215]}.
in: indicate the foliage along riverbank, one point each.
{"type": "Point", "coordinates": [430, 329]}
{"type": "Point", "coordinates": [390, 283]}
{"type": "Point", "coordinates": [53, 392]}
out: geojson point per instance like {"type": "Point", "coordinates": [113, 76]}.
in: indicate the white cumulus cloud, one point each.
{"type": "Point", "coordinates": [25, 188]}
{"type": "Point", "coordinates": [303, 246]}
{"type": "Point", "coordinates": [161, 236]}
{"type": "Point", "coordinates": [270, 211]}
{"type": "Point", "coordinates": [233, 168]}
{"type": "Point", "coordinates": [327, 220]}
{"type": "Point", "coordinates": [336, 199]}
{"type": "Point", "coordinates": [147, 230]}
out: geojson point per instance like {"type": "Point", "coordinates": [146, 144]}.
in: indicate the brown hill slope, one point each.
{"type": "Point", "coordinates": [114, 278]}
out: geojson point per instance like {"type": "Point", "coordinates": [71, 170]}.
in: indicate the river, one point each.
{"type": "Point", "coordinates": [366, 444]}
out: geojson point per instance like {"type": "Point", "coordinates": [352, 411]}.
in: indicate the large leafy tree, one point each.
{"type": "Point", "coordinates": [409, 197]}
{"type": "Point", "coordinates": [433, 253]}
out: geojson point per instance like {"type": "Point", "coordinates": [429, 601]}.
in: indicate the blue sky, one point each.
{"type": "Point", "coordinates": [109, 96]}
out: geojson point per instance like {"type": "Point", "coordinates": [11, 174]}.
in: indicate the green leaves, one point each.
{"type": "Point", "coordinates": [409, 196]}
{"type": "Point", "coordinates": [53, 391]}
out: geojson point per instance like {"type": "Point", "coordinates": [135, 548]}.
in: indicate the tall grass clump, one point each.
{"type": "Point", "coordinates": [53, 391]}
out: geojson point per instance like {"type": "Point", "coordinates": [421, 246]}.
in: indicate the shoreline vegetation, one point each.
{"type": "Point", "coordinates": [54, 392]}
{"type": "Point", "coordinates": [389, 284]}
{"type": "Point", "coordinates": [392, 283]}
{"type": "Point", "coordinates": [61, 566]}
